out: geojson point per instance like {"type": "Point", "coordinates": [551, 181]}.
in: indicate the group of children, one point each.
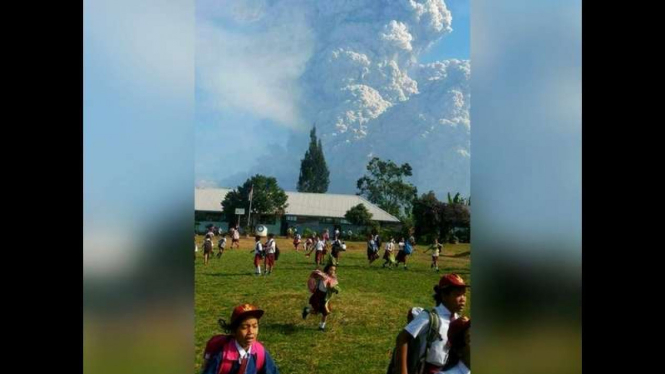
{"type": "Point", "coordinates": [208, 243]}
{"type": "Point", "coordinates": [320, 246]}
{"type": "Point", "coordinates": [405, 248]}
{"type": "Point", "coordinates": [440, 337]}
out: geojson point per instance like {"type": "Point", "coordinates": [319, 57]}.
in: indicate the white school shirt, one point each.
{"type": "Point", "coordinates": [319, 245]}
{"type": "Point", "coordinates": [258, 248]}
{"type": "Point", "coordinates": [241, 351]}
{"type": "Point", "coordinates": [270, 246]}
{"type": "Point", "coordinates": [460, 368]}
{"type": "Point", "coordinates": [438, 353]}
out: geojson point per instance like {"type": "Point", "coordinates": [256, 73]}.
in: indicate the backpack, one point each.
{"type": "Point", "coordinates": [408, 248]}
{"type": "Point", "coordinates": [222, 355]}
{"type": "Point", "coordinates": [415, 355]}
{"type": "Point", "coordinates": [277, 252]}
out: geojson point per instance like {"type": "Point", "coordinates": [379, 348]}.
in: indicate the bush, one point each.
{"type": "Point", "coordinates": [307, 232]}
{"type": "Point", "coordinates": [387, 233]}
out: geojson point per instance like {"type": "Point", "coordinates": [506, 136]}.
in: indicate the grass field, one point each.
{"type": "Point", "coordinates": [367, 314]}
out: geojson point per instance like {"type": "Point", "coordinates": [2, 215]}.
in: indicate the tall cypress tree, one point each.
{"type": "Point", "coordinates": [314, 174]}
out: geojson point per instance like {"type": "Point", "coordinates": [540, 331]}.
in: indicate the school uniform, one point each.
{"type": "Point", "coordinates": [319, 251]}
{"type": "Point", "coordinates": [372, 250]}
{"type": "Point", "coordinates": [223, 355]}
{"type": "Point", "coordinates": [401, 255]}
{"type": "Point", "coordinates": [325, 239]}
{"type": "Point", "coordinates": [270, 252]}
{"type": "Point", "coordinates": [389, 253]}
{"type": "Point", "coordinates": [320, 299]}
{"type": "Point", "coordinates": [438, 353]}
{"type": "Point", "coordinates": [207, 246]}
{"type": "Point", "coordinates": [258, 254]}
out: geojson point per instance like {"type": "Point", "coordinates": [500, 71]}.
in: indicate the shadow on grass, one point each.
{"type": "Point", "coordinates": [285, 328]}
{"type": "Point", "coordinates": [462, 254]}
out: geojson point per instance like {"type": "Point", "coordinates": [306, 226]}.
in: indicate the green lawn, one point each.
{"type": "Point", "coordinates": [367, 314]}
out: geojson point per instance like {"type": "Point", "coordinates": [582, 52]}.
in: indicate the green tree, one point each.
{"type": "Point", "coordinates": [451, 216]}
{"type": "Point", "coordinates": [385, 186]}
{"type": "Point", "coordinates": [314, 174]}
{"type": "Point", "coordinates": [268, 198]}
{"type": "Point", "coordinates": [359, 216]}
{"type": "Point", "coordinates": [427, 217]}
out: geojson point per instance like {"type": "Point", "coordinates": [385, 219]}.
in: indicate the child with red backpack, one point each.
{"type": "Point", "coordinates": [322, 285]}
{"type": "Point", "coordinates": [239, 351]}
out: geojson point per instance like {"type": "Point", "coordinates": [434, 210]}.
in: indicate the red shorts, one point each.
{"type": "Point", "coordinates": [257, 260]}
{"type": "Point", "coordinates": [319, 256]}
{"type": "Point", "coordinates": [270, 259]}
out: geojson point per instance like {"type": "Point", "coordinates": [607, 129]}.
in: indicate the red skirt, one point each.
{"type": "Point", "coordinates": [318, 303]}
{"type": "Point", "coordinates": [257, 260]}
{"type": "Point", "coordinates": [319, 256]}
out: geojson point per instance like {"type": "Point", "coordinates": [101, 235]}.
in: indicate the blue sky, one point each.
{"type": "Point", "coordinates": [229, 140]}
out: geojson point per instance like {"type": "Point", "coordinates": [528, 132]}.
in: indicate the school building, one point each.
{"type": "Point", "coordinates": [314, 211]}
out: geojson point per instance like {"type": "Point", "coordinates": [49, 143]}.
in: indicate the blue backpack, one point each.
{"type": "Point", "coordinates": [408, 248]}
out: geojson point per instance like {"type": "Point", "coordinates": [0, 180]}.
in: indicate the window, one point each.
{"type": "Point", "coordinates": [267, 220]}
{"type": "Point", "coordinates": [208, 217]}
{"type": "Point", "coordinates": [292, 218]}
